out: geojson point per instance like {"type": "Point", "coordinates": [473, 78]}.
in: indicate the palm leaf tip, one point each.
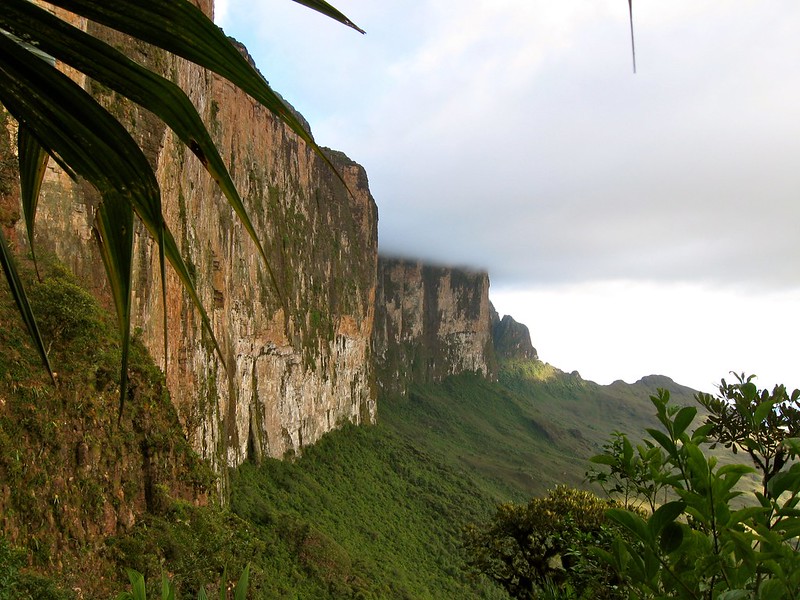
{"type": "Point", "coordinates": [21, 300]}
{"type": "Point", "coordinates": [633, 45]}
{"type": "Point", "coordinates": [326, 9]}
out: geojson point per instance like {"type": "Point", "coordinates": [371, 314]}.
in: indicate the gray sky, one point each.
{"type": "Point", "coordinates": [636, 223]}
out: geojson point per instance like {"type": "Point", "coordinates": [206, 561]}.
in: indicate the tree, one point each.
{"type": "Point", "coordinates": [709, 539]}
{"type": "Point", "coordinates": [537, 548]}
{"type": "Point", "coordinates": [762, 424]}
{"type": "Point", "coordinates": [60, 120]}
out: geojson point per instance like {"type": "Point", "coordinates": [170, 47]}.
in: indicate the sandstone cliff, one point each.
{"type": "Point", "coordinates": [430, 322]}
{"type": "Point", "coordinates": [298, 367]}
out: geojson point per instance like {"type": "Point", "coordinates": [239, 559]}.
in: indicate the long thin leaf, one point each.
{"type": "Point", "coordinates": [21, 299]}
{"type": "Point", "coordinates": [326, 9]}
{"type": "Point", "coordinates": [67, 122]}
{"type": "Point", "coordinates": [113, 69]}
{"type": "Point", "coordinates": [167, 588]}
{"type": "Point", "coordinates": [155, 93]}
{"type": "Point", "coordinates": [633, 46]}
{"type": "Point", "coordinates": [138, 590]}
{"type": "Point", "coordinates": [114, 233]}
{"type": "Point", "coordinates": [32, 165]}
{"type": "Point", "coordinates": [240, 593]}
{"type": "Point", "coordinates": [181, 28]}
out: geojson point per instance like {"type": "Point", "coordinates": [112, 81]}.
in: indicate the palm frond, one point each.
{"type": "Point", "coordinates": [113, 230]}
{"type": "Point", "coordinates": [182, 29]}
{"type": "Point", "coordinates": [57, 118]}
{"type": "Point", "coordinates": [21, 299]}
{"type": "Point", "coordinates": [326, 9]}
{"type": "Point", "coordinates": [32, 165]}
{"type": "Point", "coordinates": [633, 46]}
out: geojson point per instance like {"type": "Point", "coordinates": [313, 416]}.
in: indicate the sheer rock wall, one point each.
{"type": "Point", "coordinates": [431, 322]}
{"type": "Point", "coordinates": [298, 366]}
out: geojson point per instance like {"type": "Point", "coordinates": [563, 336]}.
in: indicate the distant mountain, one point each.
{"type": "Point", "coordinates": [532, 429]}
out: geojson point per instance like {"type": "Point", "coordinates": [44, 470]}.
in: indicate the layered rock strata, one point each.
{"type": "Point", "coordinates": [296, 356]}
{"type": "Point", "coordinates": [431, 322]}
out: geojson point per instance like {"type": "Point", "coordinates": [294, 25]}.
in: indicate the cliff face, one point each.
{"type": "Point", "coordinates": [299, 366]}
{"type": "Point", "coordinates": [511, 339]}
{"type": "Point", "coordinates": [431, 322]}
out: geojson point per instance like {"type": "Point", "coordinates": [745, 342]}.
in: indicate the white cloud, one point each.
{"type": "Point", "coordinates": [220, 11]}
{"type": "Point", "coordinates": [512, 136]}
{"type": "Point", "coordinates": [626, 330]}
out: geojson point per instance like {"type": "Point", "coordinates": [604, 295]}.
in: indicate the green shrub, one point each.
{"type": "Point", "coordinates": [18, 585]}
{"type": "Point", "coordinates": [538, 549]}
{"type": "Point", "coordinates": [64, 309]}
{"type": "Point", "coordinates": [711, 538]}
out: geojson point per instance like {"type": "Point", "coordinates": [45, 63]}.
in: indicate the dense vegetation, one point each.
{"type": "Point", "coordinates": [373, 512]}
{"type": "Point", "coordinates": [679, 524]}
{"type": "Point", "coordinates": [380, 512]}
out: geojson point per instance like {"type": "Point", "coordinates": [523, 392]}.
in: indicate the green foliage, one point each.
{"type": "Point", "coordinates": [168, 592]}
{"type": "Point", "coordinates": [764, 425]}
{"type": "Point", "coordinates": [366, 514]}
{"type": "Point", "coordinates": [519, 437]}
{"type": "Point", "coordinates": [65, 309]}
{"type": "Point", "coordinates": [362, 514]}
{"type": "Point", "coordinates": [15, 584]}
{"type": "Point", "coordinates": [66, 468]}
{"type": "Point", "coordinates": [632, 474]}
{"type": "Point", "coordinates": [710, 539]}
{"type": "Point", "coordinates": [10, 562]}
{"type": "Point", "coordinates": [538, 550]}
{"type": "Point", "coordinates": [57, 117]}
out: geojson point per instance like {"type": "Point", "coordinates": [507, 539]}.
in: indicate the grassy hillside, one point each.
{"type": "Point", "coordinates": [377, 512]}
{"type": "Point", "coordinates": [368, 512]}
{"type": "Point", "coordinates": [361, 515]}
{"type": "Point", "coordinates": [533, 429]}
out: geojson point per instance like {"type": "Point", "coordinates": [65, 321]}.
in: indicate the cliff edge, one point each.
{"type": "Point", "coordinates": [430, 322]}
{"type": "Point", "coordinates": [298, 355]}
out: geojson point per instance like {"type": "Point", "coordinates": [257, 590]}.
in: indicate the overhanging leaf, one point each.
{"type": "Point", "coordinates": [32, 165]}
{"type": "Point", "coordinates": [116, 71]}
{"type": "Point", "coordinates": [114, 233]}
{"type": "Point", "coordinates": [21, 299]}
{"type": "Point", "coordinates": [182, 29]}
{"type": "Point", "coordinates": [328, 10]}
{"type": "Point", "coordinates": [68, 122]}
{"type": "Point", "coordinates": [633, 45]}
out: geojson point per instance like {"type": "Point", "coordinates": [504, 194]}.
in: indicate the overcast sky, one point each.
{"type": "Point", "coordinates": [637, 224]}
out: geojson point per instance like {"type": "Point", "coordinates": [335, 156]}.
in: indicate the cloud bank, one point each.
{"type": "Point", "coordinates": [513, 136]}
